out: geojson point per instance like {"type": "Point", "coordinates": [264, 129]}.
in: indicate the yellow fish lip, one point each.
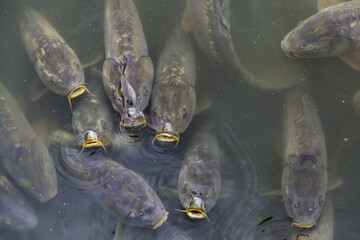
{"type": "Point", "coordinates": [195, 213]}
{"type": "Point", "coordinates": [77, 91]}
{"type": "Point", "coordinates": [165, 136]}
{"type": "Point", "coordinates": [294, 223]}
{"type": "Point", "coordinates": [162, 220]}
{"type": "Point", "coordinates": [93, 143]}
{"type": "Point", "coordinates": [137, 123]}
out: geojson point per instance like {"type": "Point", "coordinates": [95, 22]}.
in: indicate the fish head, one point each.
{"type": "Point", "coordinates": [172, 109]}
{"type": "Point", "coordinates": [92, 124]}
{"type": "Point", "coordinates": [146, 210]}
{"type": "Point", "coordinates": [314, 38]}
{"type": "Point", "coordinates": [304, 192]}
{"type": "Point", "coordinates": [61, 70]}
{"type": "Point", "coordinates": [33, 169]}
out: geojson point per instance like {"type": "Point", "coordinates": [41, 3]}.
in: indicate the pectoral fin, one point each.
{"type": "Point", "coordinates": [274, 193]}
{"type": "Point", "coordinates": [37, 91]}
{"type": "Point", "coordinates": [185, 21]}
{"type": "Point", "coordinates": [61, 137]}
{"type": "Point", "coordinates": [202, 105]}
{"type": "Point", "coordinates": [334, 184]}
{"type": "Point", "coordinates": [97, 59]}
{"type": "Point", "coordinates": [168, 192]}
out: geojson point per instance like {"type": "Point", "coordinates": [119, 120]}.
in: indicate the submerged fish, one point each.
{"type": "Point", "coordinates": [15, 212]}
{"type": "Point", "coordinates": [356, 103]}
{"type": "Point", "coordinates": [92, 117]}
{"type": "Point", "coordinates": [304, 176]}
{"type": "Point", "coordinates": [210, 22]}
{"type": "Point", "coordinates": [23, 153]}
{"type": "Point", "coordinates": [324, 230]}
{"type": "Point", "coordinates": [128, 71]}
{"type": "Point", "coordinates": [123, 193]}
{"type": "Point", "coordinates": [55, 62]}
{"type": "Point", "coordinates": [173, 100]}
{"type": "Point", "coordinates": [199, 180]}
{"type": "Point", "coordinates": [330, 32]}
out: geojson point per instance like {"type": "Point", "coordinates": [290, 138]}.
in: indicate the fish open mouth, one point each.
{"type": "Point", "coordinates": [196, 209]}
{"type": "Point", "coordinates": [165, 136]}
{"type": "Point", "coordinates": [77, 91]}
{"type": "Point", "coordinates": [162, 220]}
{"type": "Point", "coordinates": [91, 140]}
{"type": "Point", "coordinates": [294, 223]}
{"type": "Point", "coordinates": [133, 122]}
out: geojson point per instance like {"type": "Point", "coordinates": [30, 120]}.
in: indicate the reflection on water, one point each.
{"type": "Point", "coordinates": [248, 122]}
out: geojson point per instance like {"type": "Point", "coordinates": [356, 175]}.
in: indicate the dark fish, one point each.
{"type": "Point", "coordinates": [128, 71]}
{"type": "Point", "coordinates": [334, 31]}
{"type": "Point", "coordinates": [124, 194]}
{"type": "Point", "coordinates": [199, 180]}
{"type": "Point", "coordinates": [324, 229]}
{"type": "Point", "coordinates": [92, 119]}
{"type": "Point", "coordinates": [304, 176]}
{"type": "Point", "coordinates": [15, 212]}
{"type": "Point", "coordinates": [55, 62]}
{"type": "Point", "coordinates": [173, 100]}
{"type": "Point", "coordinates": [23, 153]}
{"type": "Point", "coordinates": [210, 22]}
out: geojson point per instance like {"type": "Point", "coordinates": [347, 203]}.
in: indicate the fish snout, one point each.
{"type": "Point", "coordinates": [286, 47]}
{"type": "Point", "coordinates": [134, 121]}
{"type": "Point", "coordinates": [91, 140]}
{"type": "Point", "coordinates": [196, 208]}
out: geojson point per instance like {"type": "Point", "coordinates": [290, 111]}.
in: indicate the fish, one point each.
{"type": "Point", "coordinates": [330, 32]}
{"type": "Point", "coordinates": [324, 230]}
{"type": "Point", "coordinates": [351, 58]}
{"type": "Point", "coordinates": [210, 23]}
{"type": "Point", "coordinates": [128, 71]}
{"type": "Point", "coordinates": [55, 62]}
{"type": "Point", "coordinates": [304, 176]}
{"type": "Point", "coordinates": [15, 212]}
{"type": "Point", "coordinates": [173, 100]}
{"type": "Point", "coordinates": [23, 153]}
{"type": "Point", "coordinates": [92, 117]}
{"type": "Point", "coordinates": [199, 181]}
{"type": "Point", "coordinates": [123, 194]}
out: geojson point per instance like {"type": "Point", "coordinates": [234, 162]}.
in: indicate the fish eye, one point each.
{"type": "Point", "coordinates": [184, 112]}
{"type": "Point", "coordinates": [77, 66]}
{"type": "Point", "coordinates": [145, 91]}
{"type": "Point", "coordinates": [155, 110]}
{"type": "Point", "coordinates": [103, 123]}
{"type": "Point", "coordinates": [77, 129]}
{"type": "Point", "coordinates": [131, 215]}
{"type": "Point", "coordinates": [312, 51]}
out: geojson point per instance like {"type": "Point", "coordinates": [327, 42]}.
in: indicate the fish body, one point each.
{"type": "Point", "coordinates": [23, 153]}
{"type": "Point", "coordinates": [210, 22]}
{"type": "Point", "coordinates": [92, 120]}
{"type": "Point", "coordinates": [334, 31]}
{"type": "Point", "coordinates": [15, 212]}
{"type": "Point", "coordinates": [324, 230]}
{"type": "Point", "coordinates": [304, 176]}
{"type": "Point", "coordinates": [199, 179]}
{"type": "Point", "coordinates": [128, 71]}
{"type": "Point", "coordinates": [124, 194]}
{"type": "Point", "coordinates": [173, 100]}
{"type": "Point", "coordinates": [55, 62]}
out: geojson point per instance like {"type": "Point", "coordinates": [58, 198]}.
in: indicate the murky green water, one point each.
{"type": "Point", "coordinates": [248, 121]}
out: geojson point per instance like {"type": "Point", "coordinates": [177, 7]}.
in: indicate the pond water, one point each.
{"type": "Point", "coordinates": [247, 120]}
